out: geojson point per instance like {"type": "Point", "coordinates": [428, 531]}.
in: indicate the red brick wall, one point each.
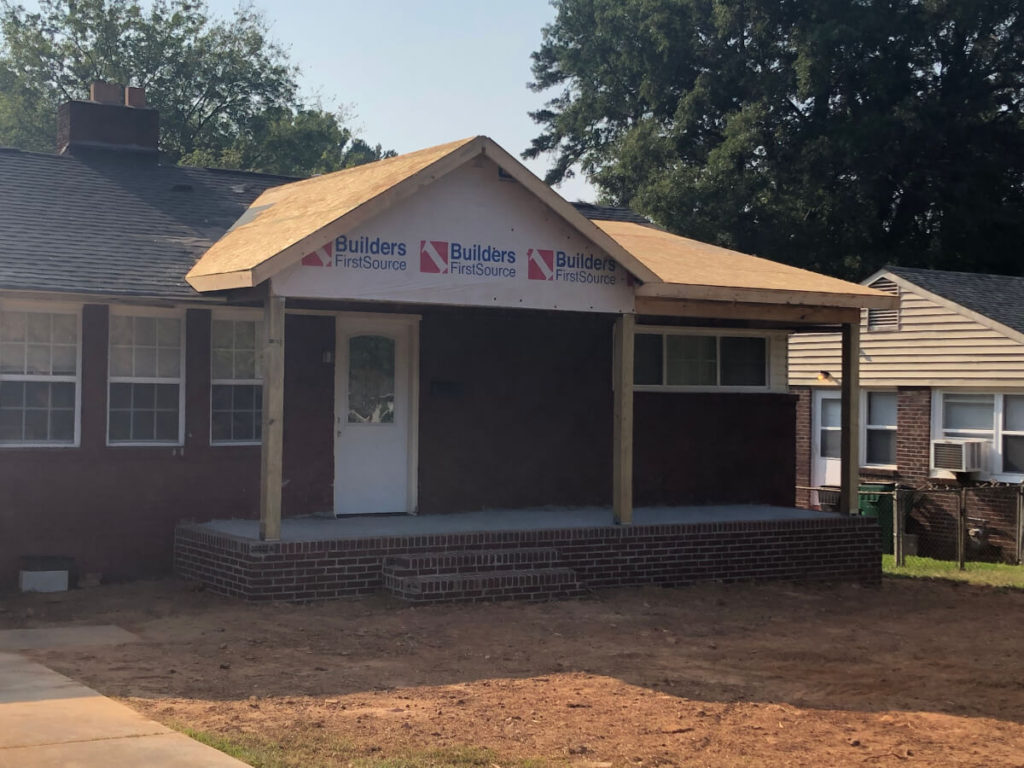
{"type": "Point", "coordinates": [935, 514]}
{"type": "Point", "coordinates": [830, 549]}
{"type": "Point", "coordinates": [804, 424]}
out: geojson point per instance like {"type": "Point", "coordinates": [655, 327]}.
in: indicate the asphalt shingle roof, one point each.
{"type": "Point", "coordinates": [111, 226]}
{"type": "Point", "coordinates": [999, 297]}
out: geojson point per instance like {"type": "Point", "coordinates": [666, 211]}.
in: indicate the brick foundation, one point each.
{"type": "Point", "coordinates": [832, 549]}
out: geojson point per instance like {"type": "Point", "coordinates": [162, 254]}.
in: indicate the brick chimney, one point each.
{"type": "Point", "coordinates": [114, 120]}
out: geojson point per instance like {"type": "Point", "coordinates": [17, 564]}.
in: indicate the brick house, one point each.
{"type": "Point", "coordinates": [294, 389]}
{"type": "Point", "coordinates": [942, 380]}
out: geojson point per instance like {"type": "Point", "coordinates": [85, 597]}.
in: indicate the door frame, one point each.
{"type": "Point", "coordinates": [411, 325]}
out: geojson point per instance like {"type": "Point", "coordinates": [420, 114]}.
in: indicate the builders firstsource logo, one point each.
{"type": "Point", "coordinates": [360, 252]}
{"type": "Point", "coordinates": [559, 266]}
{"type": "Point", "coordinates": [434, 257]}
{"type": "Point", "coordinates": [445, 257]}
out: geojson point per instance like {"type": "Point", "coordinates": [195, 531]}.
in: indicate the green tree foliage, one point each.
{"type": "Point", "coordinates": [226, 92]}
{"type": "Point", "coordinates": [838, 135]}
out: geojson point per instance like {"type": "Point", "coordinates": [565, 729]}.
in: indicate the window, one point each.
{"type": "Point", "coordinates": [696, 360]}
{"type": "Point", "coordinates": [39, 361]}
{"type": "Point", "coordinates": [236, 392]}
{"type": "Point", "coordinates": [830, 433]}
{"type": "Point", "coordinates": [145, 392]}
{"type": "Point", "coordinates": [880, 429]}
{"type": "Point", "coordinates": [994, 417]}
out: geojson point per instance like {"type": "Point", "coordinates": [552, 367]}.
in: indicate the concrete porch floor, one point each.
{"type": "Point", "coordinates": [300, 529]}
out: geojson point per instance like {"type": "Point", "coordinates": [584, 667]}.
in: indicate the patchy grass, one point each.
{"type": "Point", "coordinates": [326, 751]}
{"type": "Point", "coordinates": [979, 574]}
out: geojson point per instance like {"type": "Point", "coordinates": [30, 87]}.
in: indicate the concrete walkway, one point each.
{"type": "Point", "coordinates": [48, 720]}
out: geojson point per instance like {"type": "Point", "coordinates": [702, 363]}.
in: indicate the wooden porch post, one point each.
{"type": "Point", "coordinates": [622, 432]}
{"type": "Point", "coordinates": [849, 482]}
{"type": "Point", "coordinates": [273, 417]}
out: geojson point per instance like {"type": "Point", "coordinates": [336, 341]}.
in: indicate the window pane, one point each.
{"type": "Point", "coordinates": [37, 394]}
{"type": "Point", "coordinates": [143, 396]}
{"type": "Point", "coordinates": [245, 364]}
{"type": "Point", "coordinates": [692, 360]}
{"type": "Point", "coordinates": [65, 329]}
{"type": "Point", "coordinates": [831, 411]}
{"type": "Point", "coordinates": [968, 412]}
{"type": "Point", "coordinates": [120, 361]}
{"type": "Point", "coordinates": [38, 327]}
{"type": "Point", "coordinates": [145, 331]}
{"type": "Point", "coordinates": [220, 426]}
{"type": "Point", "coordinates": [11, 425]}
{"type": "Point", "coordinates": [168, 332]}
{"type": "Point", "coordinates": [371, 380]}
{"type": "Point", "coordinates": [120, 396]}
{"type": "Point", "coordinates": [120, 425]}
{"type": "Point", "coordinates": [830, 443]}
{"type": "Point", "coordinates": [145, 362]}
{"type": "Point", "coordinates": [222, 364]}
{"type": "Point", "coordinates": [1013, 413]}
{"type": "Point", "coordinates": [12, 394]}
{"type": "Point", "coordinates": [743, 361]}
{"type": "Point", "coordinates": [12, 326]}
{"type": "Point", "coordinates": [143, 425]}
{"type": "Point", "coordinates": [37, 359]}
{"type": "Point", "coordinates": [881, 447]}
{"type": "Point", "coordinates": [222, 334]}
{"type": "Point", "coordinates": [12, 358]}
{"type": "Point", "coordinates": [167, 425]}
{"type": "Point", "coordinates": [245, 334]}
{"type": "Point", "coordinates": [1013, 453]}
{"type": "Point", "coordinates": [62, 395]}
{"type": "Point", "coordinates": [647, 360]}
{"type": "Point", "coordinates": [120, 330]}
{"type": "Point", "coordinates": [37, 425]}
{"type": "Point", "coordinates": [168, 363]}
{"type": "Point", "coordinates": [62, 426]}
{"type": "Point", "coordinates": [63, 357]}
{"type": "Point", "coordinates": [167, 396]}
{"type": "Point", "coordinates": [882, 409]}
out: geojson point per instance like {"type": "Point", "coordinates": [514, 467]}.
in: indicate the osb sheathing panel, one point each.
{"type": "Point", "coordinates": [295, 210]}
{"type": "Point", "coordinates": [682, 261]}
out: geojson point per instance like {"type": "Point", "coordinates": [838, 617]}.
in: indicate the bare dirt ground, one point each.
{"type": "Point", "coordinates": [914, 673]}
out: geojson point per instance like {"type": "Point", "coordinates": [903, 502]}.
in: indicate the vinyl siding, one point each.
{"type": "Point", "coordinates": [934, 346]}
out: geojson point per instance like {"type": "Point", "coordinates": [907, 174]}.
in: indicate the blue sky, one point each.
{"type": "Point", "coordinates": [417, 74]}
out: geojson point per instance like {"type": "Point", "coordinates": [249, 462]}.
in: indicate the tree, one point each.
{"type": "Point", "coordinates": [838, 135]}
{"type": "Point", "coordinates": [221, 87]}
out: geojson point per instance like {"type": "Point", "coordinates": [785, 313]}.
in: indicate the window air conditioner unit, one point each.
{"type": "Point", "coordinates": [958, 455]}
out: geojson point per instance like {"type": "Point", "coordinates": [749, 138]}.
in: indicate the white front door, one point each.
{"type": "Point", "coordinates": [375, 414]}
{"type": "Point", "coordinates": [826, 438]}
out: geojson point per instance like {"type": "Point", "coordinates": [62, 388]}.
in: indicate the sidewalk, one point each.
{"type": "Point", "coordinates": [50, 721]}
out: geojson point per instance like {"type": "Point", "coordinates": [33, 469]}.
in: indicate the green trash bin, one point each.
{"type": "Point", "coordinates": [876, 501]}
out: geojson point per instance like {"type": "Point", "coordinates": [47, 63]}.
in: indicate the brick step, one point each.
{"type": "Point", "coordinates": [529, 584]}
{"type": "Point", "coordinates": [471, 561]}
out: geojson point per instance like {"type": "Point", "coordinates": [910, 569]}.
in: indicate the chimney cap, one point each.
{"type": "Point", "coordinates": [106, 93]}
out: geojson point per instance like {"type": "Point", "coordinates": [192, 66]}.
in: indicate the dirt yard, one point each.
{"type": "Point", "coordinates": [915, 673]}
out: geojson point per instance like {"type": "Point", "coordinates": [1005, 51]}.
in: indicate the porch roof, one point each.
{"type": "Point", "coordinates": [288, 222]}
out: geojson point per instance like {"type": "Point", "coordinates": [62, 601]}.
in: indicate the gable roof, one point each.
{"type": "Point", "coordinates": [286, 223]}
{"type": "Point", "coordinates": [999, 298]}
{"type": "Point", "coordinates": [112, 227]}
{"type": "Point", "coordinates": [694, 270]}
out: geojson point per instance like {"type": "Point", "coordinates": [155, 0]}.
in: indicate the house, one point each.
{"type": "Point", "coordinates": [942, 379]}
{"type": "Point", "coordinates": [294, 389]}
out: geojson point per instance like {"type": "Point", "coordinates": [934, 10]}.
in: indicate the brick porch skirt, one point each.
{"type": "Point", "coordinates": [830, 549]}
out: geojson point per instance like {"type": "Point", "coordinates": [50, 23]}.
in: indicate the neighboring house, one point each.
{"type": "Point", "coordinates": [436, 332]}
{"type": "Point", "coordinates": [942, 381]}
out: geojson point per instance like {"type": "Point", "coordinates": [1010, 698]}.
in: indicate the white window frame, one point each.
{"type": "Point", "coordinates": [235, 315]}
{"type": "Point", "coordinates": [60, 308]}
{"type": "Point", "coordinates": [865, 426]}
{"type": "Point", "coordinates": [993, 437]}
{"type": "Point", "coordinates": [134, 311]}
{"type": "Point", "coordinates": [672, 330]}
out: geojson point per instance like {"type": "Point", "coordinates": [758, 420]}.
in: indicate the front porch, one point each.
{"type": "Point", "coordinates": [525, 553]}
